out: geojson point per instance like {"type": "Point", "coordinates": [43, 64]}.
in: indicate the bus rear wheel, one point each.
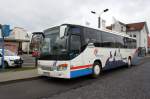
{"type": "Point", "coordinates": [129, 62]}
{"type": "Point", "coordinates": [96, 70]}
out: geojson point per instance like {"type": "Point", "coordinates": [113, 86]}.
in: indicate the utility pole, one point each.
{"type": "Point", "coordinates": [99, 22]}
{"type": "Point", "coordinates": [5, 31]}
{"type": "Point", "coordinates": [3, 51]}
{"type": "Point", "coordinates": [2, 39]}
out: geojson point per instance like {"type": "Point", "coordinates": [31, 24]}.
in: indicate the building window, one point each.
{"type": "Point", "coordinates": [121, 28]}
{"type": "Point", "coordinates": [134, 35]}
{"type": "Point", "coordinates": [130, 35]}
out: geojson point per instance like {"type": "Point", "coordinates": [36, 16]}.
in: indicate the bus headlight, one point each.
{"type": "Point", "coordinates": [62, 67]}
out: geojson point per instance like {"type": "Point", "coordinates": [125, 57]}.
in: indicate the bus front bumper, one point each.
{"type": "Point", "coordinates": [55, 73]}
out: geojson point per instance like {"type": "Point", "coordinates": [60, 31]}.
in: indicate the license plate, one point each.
{"type": "Point", "coordinates": [46, 73]}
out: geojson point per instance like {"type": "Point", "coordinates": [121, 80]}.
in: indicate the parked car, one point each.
{"type": "Point", "coordinates": [11, 59]}
{"type": "Point", "coordinates": [142, 51]}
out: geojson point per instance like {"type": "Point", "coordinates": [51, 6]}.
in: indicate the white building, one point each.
{"type": "Point", "coordinates": [140, 32]}
{"type": "Point", "coordinates": [137, 30]}
{"type": "Point", "coordinates": [18, 40]}
{"type": "Point", "coordinates": [119, 27]}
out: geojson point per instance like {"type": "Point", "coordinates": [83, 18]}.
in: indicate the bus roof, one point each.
{"type": "Point", "coordinates": [104, 30]}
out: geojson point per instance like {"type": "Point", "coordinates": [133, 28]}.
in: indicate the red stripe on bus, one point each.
{"type": "Point", "coordinates": [81, 67]}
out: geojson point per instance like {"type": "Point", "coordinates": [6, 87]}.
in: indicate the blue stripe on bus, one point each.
{"type": "Point", "coordinates": [82, 72]}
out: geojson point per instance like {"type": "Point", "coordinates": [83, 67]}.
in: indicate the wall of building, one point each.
{"type": "Point", "coordinates": [20, 35]}
{"type": "Point", "coordinates": [141, 37]}
{"type": "Point", "coordinates": [137, 34]}
{"type": "Point", "coordinates": [25, 46]}
{"type": "Point", "coordinates": [119, 27]}
{"type": "Point", "coordinates": [144, 39]}
{"type": "Point", "coordinates": [12, 46]}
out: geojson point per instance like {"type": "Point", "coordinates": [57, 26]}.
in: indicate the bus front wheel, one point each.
{"type": "Point", "coordinates": [96, 70]}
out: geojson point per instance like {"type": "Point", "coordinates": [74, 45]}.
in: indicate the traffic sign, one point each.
{"type": "Point", "coordinates": [6, 30]}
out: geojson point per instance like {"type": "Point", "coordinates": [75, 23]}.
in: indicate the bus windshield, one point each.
{"type": "Point", "coordinates": [55, 42]}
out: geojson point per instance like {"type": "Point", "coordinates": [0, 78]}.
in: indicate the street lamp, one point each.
{"type": "Point", "coordinates": [99, 16]}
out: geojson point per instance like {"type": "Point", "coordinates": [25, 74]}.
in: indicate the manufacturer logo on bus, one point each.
{"type": "Point", "coordinates": [95, 52]}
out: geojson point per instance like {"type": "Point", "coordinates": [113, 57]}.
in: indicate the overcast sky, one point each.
{"type": "Point", "coordinates": [37, 15]}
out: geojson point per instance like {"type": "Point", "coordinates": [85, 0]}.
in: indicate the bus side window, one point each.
{"type": "Point", "coordinates": [108, 40]}
{"type": "Point", "coordinates": [92, 36]}
{"type": "Point", "coordinates": [119, 41]}
{"type": "Point", "coordinates": [125, 42]}
{"type": "Point", "coordinates": [134, 44]}
{"type": "Point", "coordinates": [129, 43]}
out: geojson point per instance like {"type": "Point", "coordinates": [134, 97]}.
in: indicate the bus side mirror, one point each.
{"type": "Point", "coordinates": [62, 30]}
{"type": "Point", "coordinates": [0, 55]}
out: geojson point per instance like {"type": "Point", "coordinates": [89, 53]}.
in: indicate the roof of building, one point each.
{"type": "Point", "coordinates": [135, 26]}
{"type": "Point", "coordinates": [122, 23]}
{"type": "Point", "coordinates": [15, 40]}
{"type": "Point", "coordinates": [109, 27]}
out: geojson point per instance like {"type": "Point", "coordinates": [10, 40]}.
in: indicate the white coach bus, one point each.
{"type": "Point", "coordinates": [70, 51]}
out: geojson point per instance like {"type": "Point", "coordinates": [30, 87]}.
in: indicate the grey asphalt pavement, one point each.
{"type": "Point", "coordinates": [121, 83]}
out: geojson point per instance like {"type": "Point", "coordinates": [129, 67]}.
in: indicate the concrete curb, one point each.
{"type": "Point", "coordinates": [18, 80]}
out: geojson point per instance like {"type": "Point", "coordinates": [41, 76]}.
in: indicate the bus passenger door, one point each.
{"type": "Point", "coordinates": [76, 62]}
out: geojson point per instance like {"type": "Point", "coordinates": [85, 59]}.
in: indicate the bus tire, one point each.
{"type": "Point", "coordinates": [129, 62]}
{"type": "Point", "coordinates": [96, 70]}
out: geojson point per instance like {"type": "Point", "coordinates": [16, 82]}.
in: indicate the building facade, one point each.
{"type": "Point", "coordinates": [18, 41]}
{"type": "Point", "coordinates": [148, 43]}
